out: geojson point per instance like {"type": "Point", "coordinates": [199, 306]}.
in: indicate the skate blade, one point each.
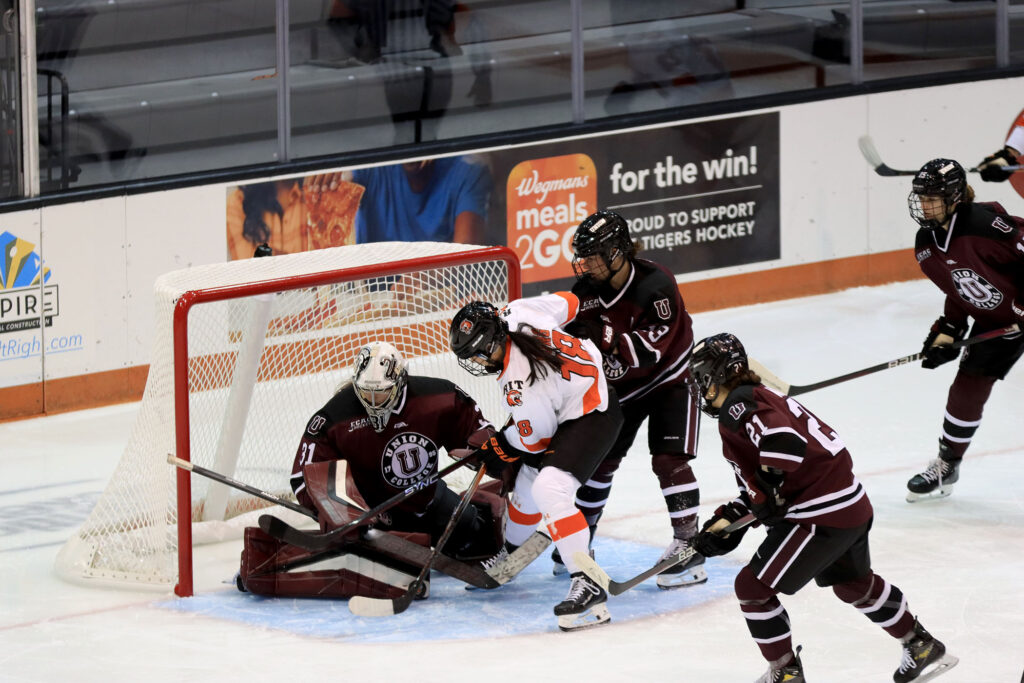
{"type": "Point", "coordinates": [940, 667]}
{"type": "Point", "coordinates": [558, 569]}
{"type": "Point", "coordinates": [691, 577]}
{"type": "Point", "coordinates": [595, 616]}
{"type": "Point", "coordinates": [934, 495]}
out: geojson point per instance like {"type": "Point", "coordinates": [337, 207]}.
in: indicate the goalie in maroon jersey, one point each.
{"type": "Point", "coordinates": [632, 309]}
{"type": "Point", "coordinates": [796, 476]}
{"type": "Point", "coordinates": [974, 252]}
{"type": "Point", "coordinates": [388, 428]}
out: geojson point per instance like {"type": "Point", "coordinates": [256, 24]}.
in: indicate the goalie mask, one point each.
{"type": "Point", "coordinates": [598, 240]}
{"type": "Point", "coordinates": [716, 360]}
{"type": "Point", "coordinates": [937, 188]}
{"type": "Point", "coordinates": [475, 335]}
{"type": "Point", "coordinates": [379, 378]}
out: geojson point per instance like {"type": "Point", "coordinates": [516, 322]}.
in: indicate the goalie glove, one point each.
{"type": "Point", "coordinates": [710, 542]}
{"type": "Point", "coordinates": [936, 350]}
{"type": "Point", "coordinates": [992, 167]}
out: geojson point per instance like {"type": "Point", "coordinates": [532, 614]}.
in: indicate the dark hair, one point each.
{"type": "Point", "coordinates": [748, 377]}
{"type": "Point", "coordinates": [257, 199]}
{"type": "Point", "coordinates": [537, 350]}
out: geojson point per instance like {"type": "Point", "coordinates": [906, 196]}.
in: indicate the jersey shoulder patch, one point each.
{"type": "Point", "coordinates": [738, 407]}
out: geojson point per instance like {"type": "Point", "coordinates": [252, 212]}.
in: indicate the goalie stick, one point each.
{"type": "Point", "coordinates": [387, 544]}
{"type": "Point", "coordinates": [332, 537]}
{"type": "Point", "coordinates": [782, 387]}
{"type": "Point", "coordinates": [600, 576]}
{"type": "Point", "coordinates": [867, 148]}
{"type": "Point", "coordinates": [363, 606]}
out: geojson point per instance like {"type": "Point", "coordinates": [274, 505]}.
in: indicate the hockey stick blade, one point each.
{"type": "Point", "coordinates": [519, 559]}
{"type": "Point", "coordinates": [871, 155]}
{"type": "Point", "coordinates": [386, 544]}
{"type": "Point", "coordinates": [600, 576]}
{"type": "Point", "coordinates": [382, 607]}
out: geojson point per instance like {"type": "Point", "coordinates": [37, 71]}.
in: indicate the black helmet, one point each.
{"type": "Point", "coordinates": [716, 360]}
{"type": "Point", "coordinates": [605, 233]}
{"type": "Point", "coordinates": [938, 178]}
{"type": "Point", "coordinates": [476, 333]}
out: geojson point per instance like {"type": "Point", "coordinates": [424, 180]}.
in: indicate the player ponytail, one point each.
{"type": "Point", "coordinates": [537, 350]}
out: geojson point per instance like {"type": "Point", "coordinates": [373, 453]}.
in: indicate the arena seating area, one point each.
{"type": "Point", "coordinates": [153, 83]}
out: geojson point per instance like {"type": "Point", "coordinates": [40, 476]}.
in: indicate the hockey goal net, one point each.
{"type": "Point", "coordinates": [244, 353]}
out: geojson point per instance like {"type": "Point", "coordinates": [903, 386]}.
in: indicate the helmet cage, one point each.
{"type": "Point", "coordinates": [716, 360]}
{"type": "Point", "coordinates": [604, 234]}
{"type": "Point", "coordinates": [379, 377]}
{"type": "Point", "coordinates": [943, 179]}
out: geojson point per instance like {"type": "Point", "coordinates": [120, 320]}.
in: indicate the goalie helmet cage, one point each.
{"type": "Point", "coordinates": [244, 353]}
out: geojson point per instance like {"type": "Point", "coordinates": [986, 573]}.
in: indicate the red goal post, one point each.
{"type": "Point", "coordinates": [244, 352]}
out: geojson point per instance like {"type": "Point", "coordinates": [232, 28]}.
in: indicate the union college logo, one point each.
{"type": "Point", "coordinates": [976, 290]}
{"type": "Point", "coordinates": [408, 458]}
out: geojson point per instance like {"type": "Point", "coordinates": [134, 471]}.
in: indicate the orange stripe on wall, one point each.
{"type": "Point", "coordinates": [809, 279]}
{"type": "Point", "coordinates": [119, 386]}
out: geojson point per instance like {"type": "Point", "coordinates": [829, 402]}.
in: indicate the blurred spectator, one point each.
{"type": "Point", "coordinates": [439, 200]}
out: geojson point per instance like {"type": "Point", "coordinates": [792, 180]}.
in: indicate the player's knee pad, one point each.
{"type": "Point", "coordinates": [554, 492]}
{"type": "Point", "coordinates": [674, 467]}
{"type": "Point", "coordinates": [750, 590]}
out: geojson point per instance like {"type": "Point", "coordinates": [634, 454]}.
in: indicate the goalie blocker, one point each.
{"type": "Point", "coordinates": [352, 567]}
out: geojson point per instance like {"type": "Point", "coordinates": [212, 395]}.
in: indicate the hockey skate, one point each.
{"type": "Point", "coordinates": [689, 573]}
{"type": "Point", "coordinates": [924, 658]}
{"type": "Point", "coordinates": [584, 606]}
{"type": "Point", "coordinates": [936, 481]}
{"type": "Point", "coordinates": [792, 672]}
{"type": "Point", "coordinates": [558, 567]}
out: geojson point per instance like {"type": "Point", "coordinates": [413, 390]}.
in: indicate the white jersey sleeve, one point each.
{"type": "Point", "coordinates": [1016, 139]}
{"type": "Point", "coordinates": [579, 388]}
{"type": "Point", "coordinates": [543, 312]}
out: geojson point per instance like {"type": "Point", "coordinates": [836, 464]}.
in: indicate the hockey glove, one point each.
{"type": "Point", "coordinates": [599, 332]}
{"type": "Point", "coordinates": [497, 453]}
{"type": "Point", "coordinates": [710, 542]}
{"type": "Point", "coordinates": [768, 505]}
{"type": "Point", "coordinates": [936, 349]}
{"type": "Point", "coordinates": [992, 167]}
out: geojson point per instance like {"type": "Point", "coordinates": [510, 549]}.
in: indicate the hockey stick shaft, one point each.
{"type": "Point", "coordinates": [594, 571]}
{"type": "Point", "coordinates": [234, 483]}
{"type": "Point", "coordinates": [379, 607]}
{"type": "Point", "coordinates": [794, 390]}
{"type": "Point", "coordinates": [328, 539]}
{"type": "Point", "coordinates": [870, 152]}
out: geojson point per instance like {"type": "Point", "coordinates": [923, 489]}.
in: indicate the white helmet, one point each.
{"type": "Point", "coordinates": [379, 377]}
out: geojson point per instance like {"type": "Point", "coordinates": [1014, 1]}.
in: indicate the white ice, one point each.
{"type": "Point", "coordinates": [958, 560]}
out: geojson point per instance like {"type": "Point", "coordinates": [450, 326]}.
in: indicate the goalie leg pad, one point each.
{"type": "Point", "coordinates": [270, 567]}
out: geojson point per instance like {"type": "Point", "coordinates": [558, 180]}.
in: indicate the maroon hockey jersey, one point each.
{"type": "Point", "coordinates": [432, 414]}
{"type": "Point", "coordinates": [651, 330]}
{"type": "Point", "coordinates": [761, 427]}
{"type": "Point", "coordinates": [978, 263]}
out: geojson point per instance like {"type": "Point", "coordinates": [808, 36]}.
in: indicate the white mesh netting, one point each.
{"type": "Point", "coordinates": [259, 366]}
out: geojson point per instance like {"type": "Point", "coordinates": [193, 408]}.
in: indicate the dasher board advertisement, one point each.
{"type": "Point", "coordinates": [697, 196]}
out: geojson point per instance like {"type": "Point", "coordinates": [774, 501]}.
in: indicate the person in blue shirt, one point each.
{"type": "Point", "coordinates": [437, 200]}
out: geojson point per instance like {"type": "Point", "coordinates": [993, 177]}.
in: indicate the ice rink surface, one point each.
{"type": "Point", "coordinates": [960, 561]}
